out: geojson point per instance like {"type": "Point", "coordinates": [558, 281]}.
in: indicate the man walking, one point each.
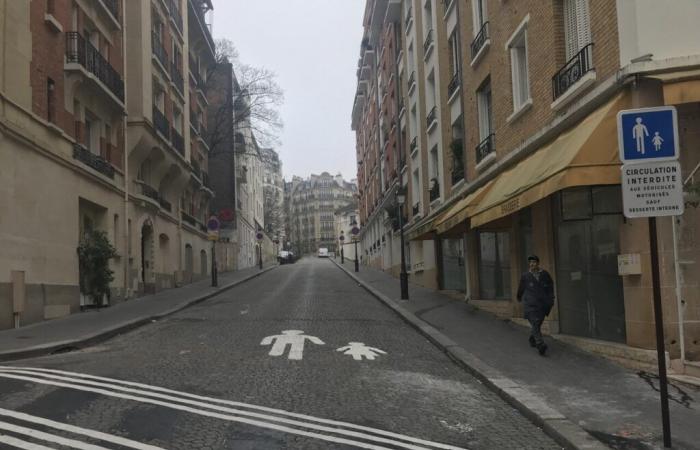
{"type": "Point", "coordinates": [536, 291]}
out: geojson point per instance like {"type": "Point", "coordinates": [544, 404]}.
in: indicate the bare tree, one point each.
{"type": "Point", "coordinates": [254, 103]}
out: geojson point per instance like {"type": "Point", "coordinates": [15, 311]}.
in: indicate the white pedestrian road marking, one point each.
{"type": "Point", "coordinates": [358, 350]}
{"type": "Point", "coordinates": [18, 443]}
{"type": "Point", "coordinates": [50, 438]}
{"type": "Point", "coordinates": [268, 418]}
{"type": "Point", "coordinates": [295, 339]}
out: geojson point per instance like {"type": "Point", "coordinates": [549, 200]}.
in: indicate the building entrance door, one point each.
{"type": "Point", "coordinates": [589, 289]}
{"type": "Point", "coordinates": [454, 277]}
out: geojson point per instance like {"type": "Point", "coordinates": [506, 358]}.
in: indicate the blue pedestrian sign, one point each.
{"type": "Point", "coordinates": [648, 134]}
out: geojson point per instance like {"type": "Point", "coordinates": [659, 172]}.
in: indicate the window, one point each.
{"type": "Point", "coordinates": [50, 100]}
{"type": "Point", "coordinates": [453, 43]}
{"type": "Point", "coordinates": [485, 110]}
{"type": "Point", "coordinates": [479, 15]}
{"type": "Point", "coordinates": [415, 188]}
{"type": "Point", "coordinates": [494, 265]}
{"type": "Point", "coordinates": [577, 27]}
{"type": "Point", "coordinates": [518, 66]}
{"type": "Point", "coordinates": [92, 133]}
{"type": "Point", "coordinates": [427, 17]}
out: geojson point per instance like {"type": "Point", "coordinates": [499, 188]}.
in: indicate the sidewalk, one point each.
{"type": "Point", "coordinates": [89, 327]}
{"type": "Point", "coordinates": [566, 392]}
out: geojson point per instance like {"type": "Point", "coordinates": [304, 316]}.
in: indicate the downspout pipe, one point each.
{"type": "Point", "coordinates": [127, 236]}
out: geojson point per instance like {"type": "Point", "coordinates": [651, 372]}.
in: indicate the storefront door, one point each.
{"type": "Point", "coordinates": [589, 289]}
{"type": "Point", "coordinates": [454, 277]}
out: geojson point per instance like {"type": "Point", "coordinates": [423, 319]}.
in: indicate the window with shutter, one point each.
{"type": "Point", "coordinates": [577, 27]}
{"type": "Point", "coordinates": [478, 15]}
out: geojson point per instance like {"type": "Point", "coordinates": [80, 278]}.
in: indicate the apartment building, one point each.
{"type": "Point", "coordinates": [170, 52]}
{"type": "Point", "coordinates": [273, 194]}
{"type": "Point", "coordinates": [311, 206]}
{"type": "Point", "coordinates": [527, 95]}
{"type": "Point", "coordinates": [346, 219]}
{"type": "Point", "coordinates": [62, 131]}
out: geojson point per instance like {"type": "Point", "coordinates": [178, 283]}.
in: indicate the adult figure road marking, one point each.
{"type": "Point", "coordinates": [295, 339]}
{"type": "Point", "coordinates": [358, 350]}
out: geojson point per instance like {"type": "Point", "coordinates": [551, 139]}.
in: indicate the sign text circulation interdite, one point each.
{"type": "Point", "coordinates": [653, 189]}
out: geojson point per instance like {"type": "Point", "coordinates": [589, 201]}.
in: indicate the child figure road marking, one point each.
{"type": "Point", "coordinates": [295, 339]}
{"type": "Point", "coordinates": [358, 350]}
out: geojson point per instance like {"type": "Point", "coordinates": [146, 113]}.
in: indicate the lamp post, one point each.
{"type": "Point", "coordinates": [355, 231]}
{"type": "Point", "coordinates": [342, 253]}
{"type": "Point", "coordinates": [403, 277]}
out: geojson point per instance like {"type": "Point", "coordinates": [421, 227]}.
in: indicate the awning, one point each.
{"type": "Point", "coordinates": [680, 87]}
{"type": "Point", "coordinates": [585, 155]}
{"type": "Point", "coordinates": [461, 210]}
{"type": "Point", "coordinates": [423, 232]}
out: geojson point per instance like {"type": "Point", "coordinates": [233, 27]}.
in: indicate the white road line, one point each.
{"type": "Point", "coordinates": [200, 412]}
{"type": "Point", "coordinates": [240, 405]}
{"type": "Point", "coordinates": [18, 443]}
{"type": "Point", "coordinates": [52, 438]}
{"type": "Point", "coordinates": [118, 440]}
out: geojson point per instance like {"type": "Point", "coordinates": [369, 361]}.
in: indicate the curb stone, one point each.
{"type": "Point", "coordinates": [121, 328]}
{"type": "Point", "coordinates": [557, 426]}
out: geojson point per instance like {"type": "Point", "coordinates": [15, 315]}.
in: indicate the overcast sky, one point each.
{"type": "Point", "coordinates": [313, 47]}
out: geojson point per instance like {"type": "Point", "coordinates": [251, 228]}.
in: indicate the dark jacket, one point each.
{"type": "Point", "coordinates": [537, 295]}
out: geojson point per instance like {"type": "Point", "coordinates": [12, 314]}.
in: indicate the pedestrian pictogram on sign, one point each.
{"type": "Point", "coordinates": [648, 134]}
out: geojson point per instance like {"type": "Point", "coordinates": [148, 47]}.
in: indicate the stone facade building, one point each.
{"type": "Point", "coordinates": [509, 111]}
{"type": "Point", "coordinates": [273, 193]}
{"type": "Point", "coordinates": [89, 145]}
{"type": "Point", "coordinates": [311, 206]}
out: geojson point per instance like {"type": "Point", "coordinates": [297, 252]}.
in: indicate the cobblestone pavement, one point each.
{"type": "Point", "coordinates": [214, 350]}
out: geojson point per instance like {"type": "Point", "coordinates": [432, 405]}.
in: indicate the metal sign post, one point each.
{"type": "Point", "coordinates": [213, 227]}
{"type": "Point", "coordinates": [259, 237]}
{"type": "Point", "coordinates": [652, 186]}
{"type": "Point", "coordinates": [355, 232]}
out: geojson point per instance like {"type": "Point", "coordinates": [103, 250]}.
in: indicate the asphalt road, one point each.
{"type": "Point", "coordinates": [300, 357]}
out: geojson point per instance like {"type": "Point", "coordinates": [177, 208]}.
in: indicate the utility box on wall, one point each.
{"type": "Point", "coordinates": [629, 264]}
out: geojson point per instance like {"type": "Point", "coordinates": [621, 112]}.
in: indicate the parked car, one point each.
{"type": "Point", "coordinates": [323, 252]}
{"type": "Point", "coordinates": [285, 257]}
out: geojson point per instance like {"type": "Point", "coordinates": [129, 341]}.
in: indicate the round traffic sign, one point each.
{"type": "Point", "coordinates": [342, 238]}
{"type": "Point", "coordinates": [213, 224]}
{"type": "Point", "coordinates": [259, 236]}
{"type": "Point", "coordinates": [355, 231]}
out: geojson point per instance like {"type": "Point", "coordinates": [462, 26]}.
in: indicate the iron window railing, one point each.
{"type": "Point", "coordinates": [161, 122]}
{"type": "Point", "coordinates": [485, 148]}
{"type": "Point", "coordinates": [178, 141]}
{"type": "Point", "coordinates": [189, 219]}
{"type": "Point", "coordinates": [572, 71]}
{"type": "Point", "coordinates": [92, 160]}
{"type": "Point", "coordinates": [81, 51]}
{"type": "Point", "coordinates": [428, 41]}
{"type": "Point", "coordinates": [480, 40]}
{"type": "Point", "coordinates": [434, 189]}
{"type": "Point", "coordinates": [409, 16]}
{"type": "Point", "coordinates": [414, 143]}
{"type": "Point", "coordinates": [175, 13]}
{"type": "Point", "coordinates": [150, 192]}
{"type": "Point", "coordinates": [159, 50]}
{"type": "Point", "coordinates": [166, 205]}
{"type": "Point", "coordinates": [113, 7]}
{"type": "Point", "coordinates": [411, 79]}
{"type": "Point", "coordinates": [432, 116]}
{"type": "Point", "coordinates": [176, 76]}
{"type": "Point", "coordinates": [454, 84]}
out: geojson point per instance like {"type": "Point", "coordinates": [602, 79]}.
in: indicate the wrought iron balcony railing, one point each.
{"type": "Point", "coordinates": [166, 205]}
{"type": "Point", "coordinates": [428, 42]}
{"type": "Point", "coordinates": [411, 79]}
{"type": "Point", "coordinates": [485, 148]}
{"type": "Point", "coordinates": [178, 141]}
{"type": "Point", "coordinates": [175, 13]}
{"type": "Point", "coordinates": [81, 51]}
{"type": "Point", "coordinates": [432, 116]}
{"type": "Point", "coordinates": [189, 219]}
{"type": "Point", "coordinates": [113, 7]}
{"type": "Point", "coordinates": [150, 192]}
{"type": "Point", "coordinates": [409, 16]}
{"type": "Point", "coordinates": [434, 189]}
{"type": "Point", "coordinates": [572, 71]}
{"type": "Point", "coordinates": [90, 159]}
{"type": "Point", "coordinates": [457, 174]}
{"type": "Point", "coordinates": [454, 84]}
{"type": "Point", "coordinates": [176, 76]}
{"type": "Point", "coordinates": [414, 144]}
{"type": "Point", "coordinates": [480, 40]}
{"type": "Point", "coordinates": [161, 122]}
{"type": "Point", "coordinates": [159, 50]}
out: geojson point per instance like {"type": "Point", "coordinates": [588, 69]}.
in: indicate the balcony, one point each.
{"type": "Point", "coordinates": [411, 80]}
{"type": "Point", "coordinates": [176, 77]}
{"type": "Point", "coordinates": [159, 51]}
{"type": "Point", "coordinates": [199, 8]}
{"type": "Point", "coordinates": [161, 123]}
{"type": "Point", "coordinates": [432, 117]}
{"type": "Point", "coordinates": [480, 41]}
{"type": "Point", "coordinates": [485, 148]}
{"type": "Point", "coordinates": [434, 189]}
{"type": "Point", "coordinates": [175, 14]}
{"type": "Point", "coordinates": [178, 141]}
{"type": "Point", "coordinates": [414, 144]}
{"type": "Point", "coordinates": [572, 71]}
{"type": "Point", "coordinates": [428, 44]}
{"type": "Point", "coordinates": [189, 219]}
{"type": "Point", "coordinates": [92, 160]}
{"type": "Point", "coordinates": [150, 192]}
{"type": "Point", "coordinates": [453, 86]}
{"type": "Point", "coordinates": [80, 51]}
{"type": "Point", "coordinates": [113, 8]}
{"type": "Point", "coordinates": [166, 205]}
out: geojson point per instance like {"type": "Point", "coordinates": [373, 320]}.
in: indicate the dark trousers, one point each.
{"type": "Point", "coordinates": [536, 328]}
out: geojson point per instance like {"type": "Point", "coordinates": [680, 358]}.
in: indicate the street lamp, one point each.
{"type": "Point", "coordinates": [355, 231]}
{"type": "Point", "coordinates": [403, 277]}
{"type": "Point", "coordinates": [342, 240]}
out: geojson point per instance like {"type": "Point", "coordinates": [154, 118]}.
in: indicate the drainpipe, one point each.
{"type": "Point", "coordinates": [126, 159]}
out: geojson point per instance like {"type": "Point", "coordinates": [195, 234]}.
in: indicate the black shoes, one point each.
{"type": "Point", "coordinates": [532, 342]}
{"type": "Point", "coordinates": [542, 348]}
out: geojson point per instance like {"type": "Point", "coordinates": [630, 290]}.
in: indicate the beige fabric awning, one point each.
{"type": "Point", "coordinates": [585, 155]}
{"type": "Point", "coordinates": [461, 211]}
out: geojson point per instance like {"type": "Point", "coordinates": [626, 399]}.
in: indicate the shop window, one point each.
{"type": "Point", "coordinates": [607, 200]}
{"type": "Point", "coordinates": [494, 265]}
{"type": "Point", "coordinates": [576, 204]}
{"type": "Point", "coordinates": [525, 238]}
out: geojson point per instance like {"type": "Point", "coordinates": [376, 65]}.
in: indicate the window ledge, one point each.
{"type": "Point", "coordinates": [480, 54]}
{"type": "Point", "coordinates": [491, 157]}
{"type": "Point", "coordinates": [53, 23]}
{"type": "Point", "coordinates": [454, 95]}
{"type": "Point", "coordinates": [408, 26]}
{"type": "Point", "coordinates": [429, 51]}
{"type": "Point", "coordinates": [458, 184]}
{"type": "Point", "coordinates": [520, 111]}
{"type": "Point", "coordinates": [432, 126]}
{"type": "Point", "coordinates": [575, 89]}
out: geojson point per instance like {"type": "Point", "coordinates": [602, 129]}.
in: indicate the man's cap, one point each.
{"type": "Point", "coordinates": [533, 258]}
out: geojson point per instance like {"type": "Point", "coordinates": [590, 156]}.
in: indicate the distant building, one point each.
{"type": "Point", "coordinates": [311, 210]}
{"type": "Point", "coordinates": [273, 194]}
{"type": "Point", "coordinates": [346, 218]}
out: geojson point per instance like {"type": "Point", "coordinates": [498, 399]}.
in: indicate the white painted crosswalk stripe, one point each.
{"type": "Point", "coordinates": [18, 443]}
{"type": "Point", "coordinates": [46, 437]}
{"type": "Point", "coordinates": [271, 418]}
{"type": "Point", "coordinates": [104, 437]}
